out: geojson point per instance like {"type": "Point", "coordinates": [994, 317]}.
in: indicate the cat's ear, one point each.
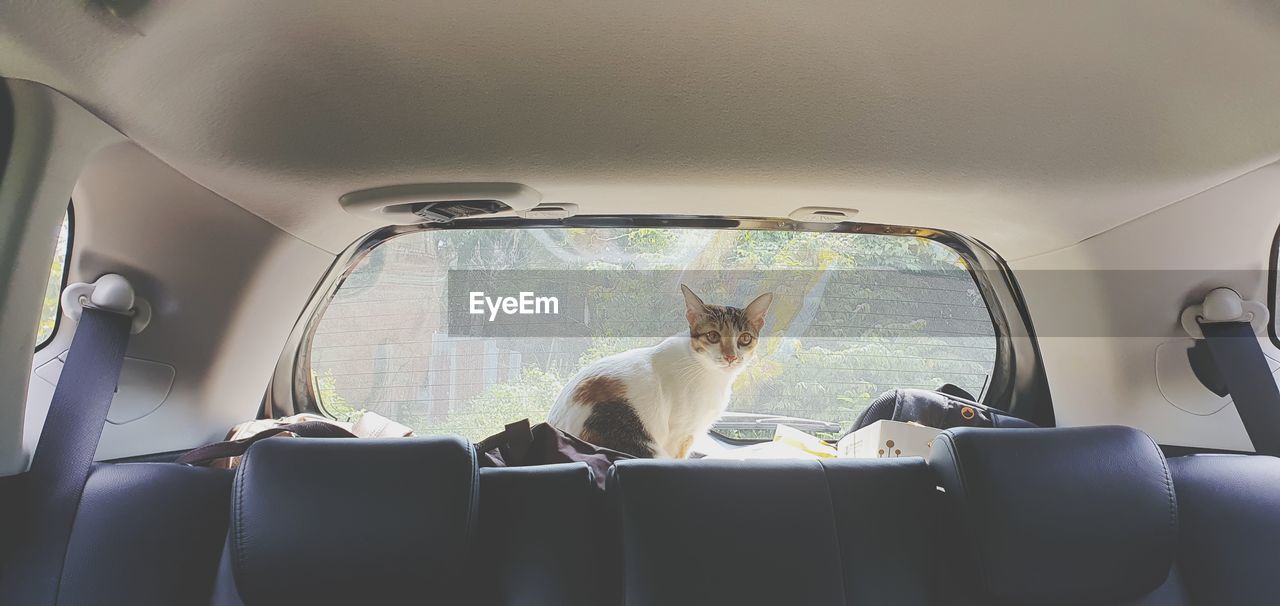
{"type": "Point", "coordinates": [757, 309]}
{"type": "Point", "coordinates": [693, 306]}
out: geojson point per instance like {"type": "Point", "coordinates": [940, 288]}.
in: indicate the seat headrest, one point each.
{"type": "Point", "coordinates": [356, 521]}
{"type": "Point", "coordinates": [1060, 516]}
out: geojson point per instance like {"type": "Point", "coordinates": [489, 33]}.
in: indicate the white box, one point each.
{"type": "Point", "coordinates": [885, 439]}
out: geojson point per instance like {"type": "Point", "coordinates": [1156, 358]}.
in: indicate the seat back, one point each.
{"type": "Point", "coordinates": [774, 532]}
{"type": "Point", "coordinates": [1229, 512]}
{"type": "Point", "coordinates": [377, 521]}
{"type": "Point", "coordinates": [887, 515]}
{"type": "Point", "coordinates": [147, 534]}
{"type": "Point", "coordinates": [1064, 516]}
{"type": "Point", "coordinates": [1044, 516]}
{"type": "Point", "coordinates": [545, 538]}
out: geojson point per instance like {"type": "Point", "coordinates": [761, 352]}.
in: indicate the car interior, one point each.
{"type": "Point", "coordinates": [659, 304]}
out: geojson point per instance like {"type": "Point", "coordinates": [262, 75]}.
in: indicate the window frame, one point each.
{"type": "Point", "coordinates": [1273, 265]}
{"type": "Point", "coordinates": [66, 273]}
{"type": "Point", "coordinates": [1018, 384]}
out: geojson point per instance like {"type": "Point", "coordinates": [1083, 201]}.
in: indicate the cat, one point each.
{"type": "Point", "coordinates": [653, 402]}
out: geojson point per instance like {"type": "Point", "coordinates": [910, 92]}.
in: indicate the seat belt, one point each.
{"type": "Point", "coordinates": [1243, 367]}
{"type": "Point", "coordinates": [1230, 328]}
{"type": "Point", "coordinates": [69, 440]}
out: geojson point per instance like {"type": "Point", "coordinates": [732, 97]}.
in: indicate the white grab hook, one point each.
{"type": "Point", "coordinates": [111, 292]}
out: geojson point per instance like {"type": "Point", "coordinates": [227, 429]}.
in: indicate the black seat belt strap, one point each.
{"type": "Point", "coordinates": [1243, 367]}
{"type": "Point", "coordinates": [65, 453]}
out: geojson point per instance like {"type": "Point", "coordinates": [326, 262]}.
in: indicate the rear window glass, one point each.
{"type": "Point", "coordinates": [852, 315]}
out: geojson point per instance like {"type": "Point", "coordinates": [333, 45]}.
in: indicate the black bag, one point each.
{"type": "Point", "coordinates": [933, 409]}
{"type": "Point", "coordinates": [520, 445]}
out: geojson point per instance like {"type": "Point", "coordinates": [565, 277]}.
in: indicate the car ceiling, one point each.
{"type": "Point", "coordinates": [1029, 125]}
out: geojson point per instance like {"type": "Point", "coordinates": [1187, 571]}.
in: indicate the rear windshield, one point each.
{"type": "Point", "coordinates": [464, 330]}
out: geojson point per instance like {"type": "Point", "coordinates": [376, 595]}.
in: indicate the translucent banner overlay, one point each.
{"type": "Point", "coordinates": [637, 303]}
{"type": "Point", "coordinates": [829, 304]}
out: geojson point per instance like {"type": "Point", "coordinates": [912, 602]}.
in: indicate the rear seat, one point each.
{"type": "Point", "coordinates": [395, 518]}
{"type": "Point", "coordinates": [1229, 509]}
{"type": "Point", "coordinates": [1068, 516]}
{"type": "Point", "coordinates": [776, 532]}
{"type": "Point", "coordinates": [1056, 516]}
{"type": "Point", "coordinates": [147, 533]}
{"type": "Point", "coordinates": [545, 539]}
{"type": "Point", "coordinates": [374, 521]}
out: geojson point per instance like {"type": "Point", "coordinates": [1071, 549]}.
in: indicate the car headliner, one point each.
{"type": "Point", "coordinates": [1029, 125]}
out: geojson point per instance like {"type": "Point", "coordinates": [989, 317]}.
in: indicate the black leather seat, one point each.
{"type": "Point", "coordinates": [1073, 516]}
{"type": "Point", "coordinates": [886, 521]}
{"type": "Point", "coordinates": [1080, 516]}
{"type": "Point", "coordinates": [544, 535]}
{"type": "Point", "coordinates": [545, 539]}
{"type": "Point", "coordinates": [1229, 513]}
{"type": "Point", "coordinates": [775, 532]}
{"type": "Point", "coordinates": [380, 521]}
{"type": "Point", "coordinates": [147, 534]}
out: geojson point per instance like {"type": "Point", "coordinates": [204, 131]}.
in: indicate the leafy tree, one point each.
{"type": "Point", "coordinates": [53, 288]}
{"type": "Point", "coordinates": [529, 397]}
{"type": "Point", "coordinates": [335, 404]}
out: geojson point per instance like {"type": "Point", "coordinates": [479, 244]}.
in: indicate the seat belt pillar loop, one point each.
{"type": "Point", "coordinates": [1230, 326]}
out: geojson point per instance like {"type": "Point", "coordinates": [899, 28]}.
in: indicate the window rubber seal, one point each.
{"type": "Point", "coordinates": [1273, 265]}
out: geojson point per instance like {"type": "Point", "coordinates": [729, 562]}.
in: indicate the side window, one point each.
{"type": "Point", "coordinates": [852, 315]}
{"type": "Point", "coordinates": [51, 310]}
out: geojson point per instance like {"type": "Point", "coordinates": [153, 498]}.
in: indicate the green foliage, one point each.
{"type": "Point", "coordinates": [603, 347]}
{"type": "Point", "coordinates": [326, 388]}
{"type": "Point", "coordinates": [53, 288]}
{"type": "Point", "coordinates": [651, 244]}
{"type": "Point", "coordinates": [529, 397]}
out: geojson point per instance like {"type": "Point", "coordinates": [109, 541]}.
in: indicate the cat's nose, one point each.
{"type": "Point", "coordinates": [730, 357]}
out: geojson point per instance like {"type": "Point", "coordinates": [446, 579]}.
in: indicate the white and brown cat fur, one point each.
{"type": "Point", "coordinates": [655, 401]}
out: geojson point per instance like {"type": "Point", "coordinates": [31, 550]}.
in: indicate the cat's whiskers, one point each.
{"type": "Point", "coordinates": [688, 372]}
{"type": "Point", "coordinates": [692, 369]}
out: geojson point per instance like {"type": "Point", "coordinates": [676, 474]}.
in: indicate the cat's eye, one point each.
{"type": "Point", "coordinates": [745, 339]}
{"type": "Point", "coordinates": [711, 337]}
